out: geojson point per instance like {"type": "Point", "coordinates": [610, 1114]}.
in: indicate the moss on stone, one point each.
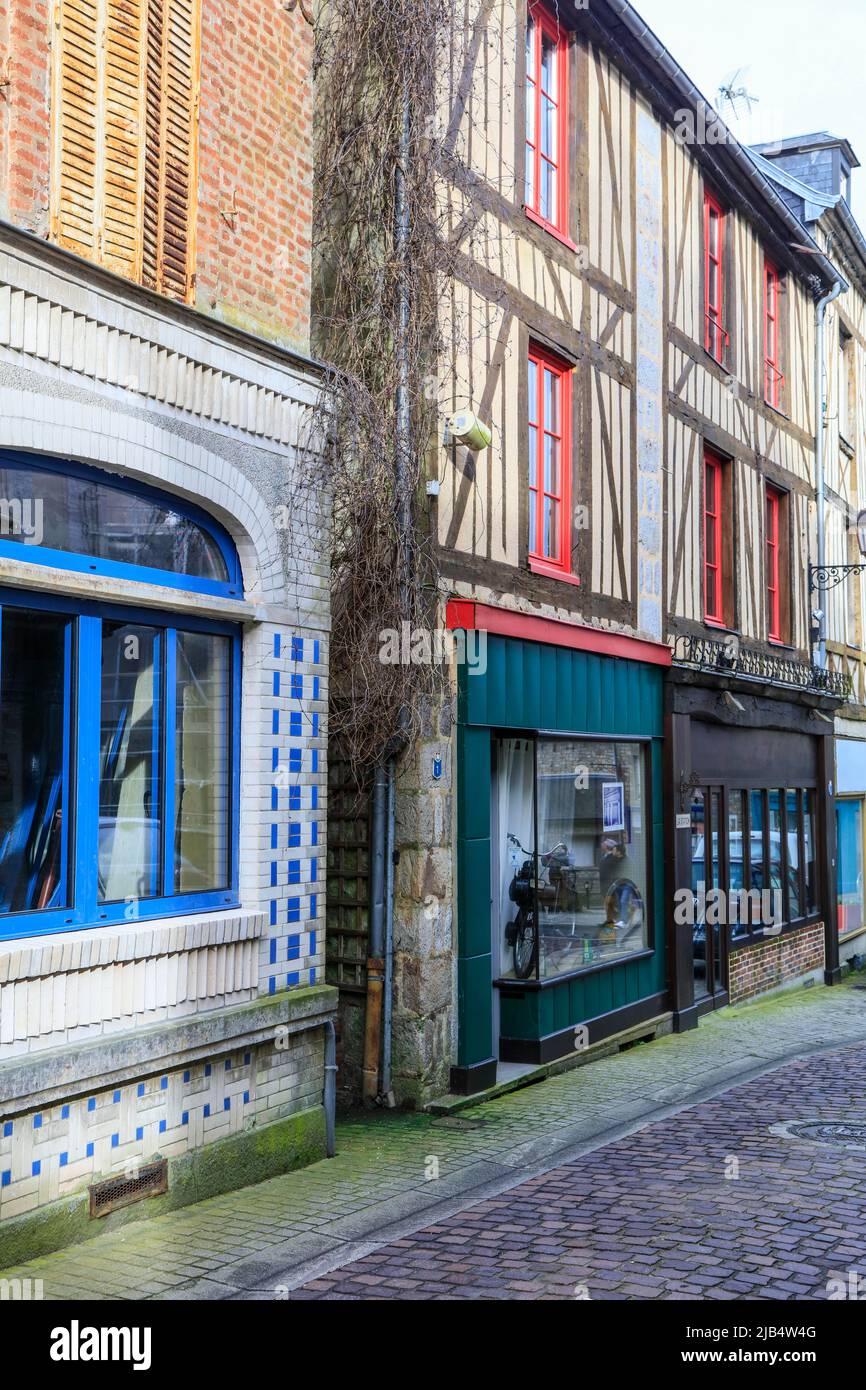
{"type": "Point", "coordinates": [236, 1161]}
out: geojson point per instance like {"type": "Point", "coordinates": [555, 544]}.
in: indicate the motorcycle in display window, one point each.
{"type": "Point", "coordinates": [555, 913]}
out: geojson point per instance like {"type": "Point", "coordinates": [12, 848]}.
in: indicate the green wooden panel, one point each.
{"type": "Point", "coordinates": [474, 1010]}
{"type": "Point", "coordinates": [473, 893]}
{"type": "Point", "coordinates": [473, 782]}
{"type": "Point", "coordinates": [531, 686]}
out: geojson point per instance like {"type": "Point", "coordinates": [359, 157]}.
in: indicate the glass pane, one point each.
{"type": "Point", "coordinates": [515, 895]}
{"type": "Point", "coordinates": [712, 608]}
{"type": "Point", "coordinates": [533, 522]}
{"type": "Point", "coordinates": [548, 65]}
{"type": "Point", "coordinates": [548, 129]}
{"type": "Point", "coordinates": [34, 758]}
{"type": "Point", "coordinates": [88, 516]}
{"type": "Point", "coordinates": [129, 763]}
{"type": "Point", "coordinates": [551, 465]}
{"type": "Point", "coordinates": [736, 828]}
{"type": "Point", "coordinates": [530, 49]}
{"type": "Point", "coordinates": [533, 392]}
{"type": "Point", "coordinates": [592, 853]}
{"type": "Point", "coordinates": [202, 771]}
{"type": "Point", "coordinates": [699, 888]}
{"type": "Point", "coordinates": [775, 884]}
{"type": "Point", "coordinates": [551, 528]}
{"type": "Point", "coordinates": [551, 401]}
{"type": "Point", "coordinates": [533, 456]}
{"type": "Point", "coordinates": [811, 861]}
{"type": "Point", "coordinates": [529, 188]}
{"type": "Point", "coordinates": [795, 907]}
{"type": "Point", "coordinates": [756, 839]}
{"type": "Point", "coordinates": [849, 840]}
{"type": "Point", "coordinates": [547, 200]}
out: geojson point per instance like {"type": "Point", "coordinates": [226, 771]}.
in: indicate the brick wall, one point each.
{"type": "Point", "coordinates": [24, 124]}
{"type": "Point", "coordinates": [756, 969]}
{"type": "Point", "coordinates": [255, 170]}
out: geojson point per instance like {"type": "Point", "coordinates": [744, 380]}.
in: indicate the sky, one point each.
{"type": "Point", "coordinates": [804, 62]}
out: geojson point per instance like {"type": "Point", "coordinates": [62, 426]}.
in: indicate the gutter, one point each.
{"type": "Point", "coordinates": [641, 34]}
{"type": "Point", "coordinates": [821, 489]}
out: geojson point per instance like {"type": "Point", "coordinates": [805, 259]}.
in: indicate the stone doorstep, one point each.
{"type": "Point", "coordinates": [642, 1032]}
{"type": "Point", "coordinates": [37, 1081]}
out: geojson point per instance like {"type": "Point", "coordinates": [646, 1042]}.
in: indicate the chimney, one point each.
{"type": "Point", "coordinates": [822, 161]}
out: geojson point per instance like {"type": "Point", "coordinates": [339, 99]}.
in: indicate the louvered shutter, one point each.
{"type": "Point", "coordinates": [98, 126]}
{"type": "Point", "coordinates": [124, 145]}
{"type": "Point", "coordinates": [170, 155]}
{"type": "Point", "coordinates": [75, 179]}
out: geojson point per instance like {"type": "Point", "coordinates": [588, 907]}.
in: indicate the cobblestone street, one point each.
{"type": "Point", "coordinates": [709, 1204]}
{"type": "Point", "coordinates": [637, 1206]}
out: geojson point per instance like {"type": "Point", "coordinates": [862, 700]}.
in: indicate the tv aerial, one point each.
{"type": "Point", "coordinates": [734, 97]}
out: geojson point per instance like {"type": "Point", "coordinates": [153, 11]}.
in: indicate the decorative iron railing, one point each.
{"type": "Point", "coordinates": [729, 657]}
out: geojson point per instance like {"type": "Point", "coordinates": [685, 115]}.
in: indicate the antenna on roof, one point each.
{"type": "Point", "coordinates": [732, 96]}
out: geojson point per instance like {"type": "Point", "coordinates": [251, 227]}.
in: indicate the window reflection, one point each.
{"type": "Point", "coordinates": [34, 723]}
{"type": "Point", "coordinates": [129, 796]}
{"type": "Point", "coordinates": [202, 773]}
{"type": "Point", "coordinates": [582, 898]}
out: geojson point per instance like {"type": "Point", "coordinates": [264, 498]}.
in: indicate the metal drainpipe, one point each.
{"type": "Point", "coordinates": [330, 1096]}
{"type": "Point", "coordinates": [389, 934]}
{"type": "Point", "coordinates": [375, 963]}
{"type": "Point", "coordinates": [820, 490]}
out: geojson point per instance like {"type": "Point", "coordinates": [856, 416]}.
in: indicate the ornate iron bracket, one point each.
{"type": "Point", "coordinates": [824, 577]}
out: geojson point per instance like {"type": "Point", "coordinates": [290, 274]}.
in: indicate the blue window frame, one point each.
{"type": "Point", "coordinates": [70, 516]}
{"type": "Point", "coordinates": [119, 742]}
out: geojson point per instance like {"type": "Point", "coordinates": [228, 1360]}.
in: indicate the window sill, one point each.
{"type": "Point", "coordinates": [510, 986]}
{"type": "Point", "coordinates": [718, 625]}
{"type": "Point", "coordinates": [551, 572]}
{"type": "Point", "coordinates": [550, 229]}
{"type": "Point", "coordinates": [43, 579]}
{"type": "Point", "coordinates": [63, 1074]}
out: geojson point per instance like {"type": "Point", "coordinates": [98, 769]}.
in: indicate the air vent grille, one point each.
{"type": "Point", "coordinates": [122, 1191]}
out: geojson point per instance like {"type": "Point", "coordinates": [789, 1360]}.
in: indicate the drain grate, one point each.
{"type": "Point", "coordinates": [148, 1181]}
{"type": "Point", "coordinates": [849, 1135]}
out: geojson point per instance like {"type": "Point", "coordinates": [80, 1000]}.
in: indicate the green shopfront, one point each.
{"type": "Point", "coordinates": [560, 857]}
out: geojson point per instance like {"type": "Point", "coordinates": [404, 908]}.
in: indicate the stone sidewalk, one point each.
{"type": "Point", "coordinates": [394, 1173]}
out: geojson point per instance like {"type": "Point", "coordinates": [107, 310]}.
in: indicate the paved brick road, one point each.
{"type": "Point", "coordinates": [257, 1241]}
{"type": "Point", "coordinates": [653, 1216]}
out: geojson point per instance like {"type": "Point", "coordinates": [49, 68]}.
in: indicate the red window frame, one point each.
{"type": "Point", "coordinates": [540, 22]}
{"type": "Point", "coordinates": [714, 579]}
{"type": "Point", "coordinates": [549, 550]}
{"type": "Point", "coordinates": [773, 543]}
{"type": "Point", "coordinates": [773, 378]}
{"type": "Point", "coordinates": [716, 337]}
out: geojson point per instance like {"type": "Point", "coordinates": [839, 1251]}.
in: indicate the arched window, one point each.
{"type": "Point", "coordinates": [119, 726]}
{"type": "Point", "coordinates": [83, 519]}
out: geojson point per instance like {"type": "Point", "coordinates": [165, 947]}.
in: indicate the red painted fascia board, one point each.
{"type": "Point", "coordinates": [484, 617]}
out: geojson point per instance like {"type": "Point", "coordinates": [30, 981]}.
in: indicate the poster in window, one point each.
{"type": "Point", "coordinates": [613, 806]}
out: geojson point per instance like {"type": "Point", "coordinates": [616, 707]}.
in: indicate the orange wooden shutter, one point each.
{"type": "Point", "coordinates": [75, 102]}
{"type": "Point", "coordinates": [124, 145]}
{"type": "Point", "coordinates": [98, 103]}
{"type": "Point", "coordinates": [170, 156]}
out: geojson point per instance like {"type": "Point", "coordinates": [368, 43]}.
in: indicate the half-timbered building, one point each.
{"type": "Point", "coordinates": [634, 317]}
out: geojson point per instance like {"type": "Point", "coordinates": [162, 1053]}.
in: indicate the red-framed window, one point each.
{"type": "Point", "coordinates": [714, 579]}
{"type": "Point", "coordinates": [546, 195]}
{"type": "Point", "coordinates": [715, 335]}
{"type": "Point", "coordinates": [549, 419]}
{"type": "Point", "coordinates": [774, 606]}
{"type": "Point", "coordinates": [773, 378]}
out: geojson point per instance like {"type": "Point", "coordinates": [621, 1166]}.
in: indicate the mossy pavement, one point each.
{"type": "Point", "coordinates": [394, 1172]}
